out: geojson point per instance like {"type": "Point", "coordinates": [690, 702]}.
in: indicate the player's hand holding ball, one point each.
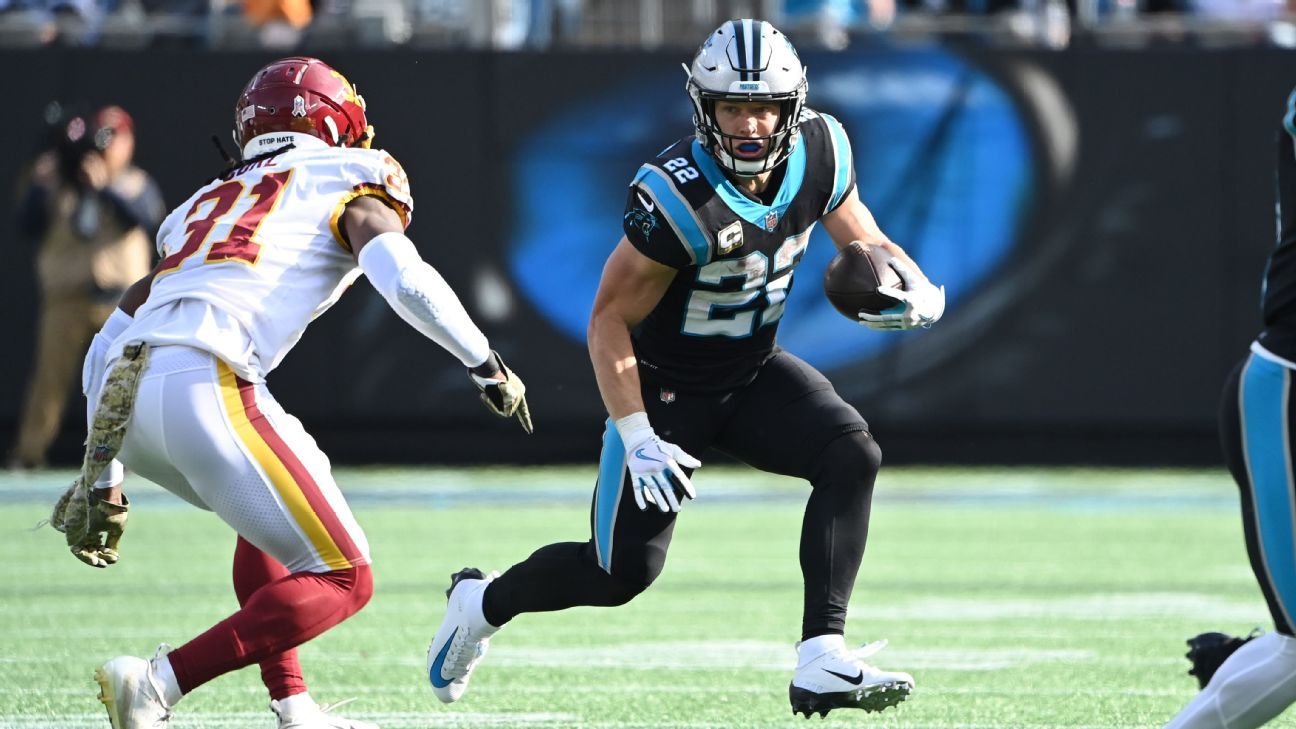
{"type": "Point", "coordinates": [655, 465]}
{"type": "Point", "coordinates": [502, 392]}
{"type": "Point", "coordinates": [918, 304]}
{"type": "Point", "coordinates": [868, 284]}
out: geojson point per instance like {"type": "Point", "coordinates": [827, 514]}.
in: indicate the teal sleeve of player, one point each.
{"type": "Point", "coordinates": [843, 163]}
{"type": "Point", "coordinates": [650, 232]}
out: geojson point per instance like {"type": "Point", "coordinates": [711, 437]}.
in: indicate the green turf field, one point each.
{"type": "Point", "coordinates": [1017, 598]}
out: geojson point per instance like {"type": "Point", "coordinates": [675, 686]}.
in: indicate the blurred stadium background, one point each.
{"type": "Point", "coordinates": [1092, 183]}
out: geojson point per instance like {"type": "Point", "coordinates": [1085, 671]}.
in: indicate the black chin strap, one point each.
{"type": "Point", "coordinates": [220, 147]}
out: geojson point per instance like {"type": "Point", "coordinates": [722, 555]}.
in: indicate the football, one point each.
{"type": "Point", "coordinates": [854, 276]}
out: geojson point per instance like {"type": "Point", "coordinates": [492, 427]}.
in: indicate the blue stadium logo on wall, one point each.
{"type": "Point", "coordinates": [946, 157]}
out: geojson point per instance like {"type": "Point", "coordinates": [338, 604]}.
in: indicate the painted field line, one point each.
{"type": "Point", "coordinates": [244, 719]}
{"type": "Point", "coordinates": [744, 654]}
{"type": "Point", "coordinates": [420, 721]}
{"type": "Point", "coordinates": [1093, 607]}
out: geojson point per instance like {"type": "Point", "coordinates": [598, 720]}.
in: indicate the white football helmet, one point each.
{"type": "Point", "coordinates": [747, 60]}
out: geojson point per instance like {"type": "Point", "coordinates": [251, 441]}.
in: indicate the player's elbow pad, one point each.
{"type": "Point", "coordinates": [421, 297]}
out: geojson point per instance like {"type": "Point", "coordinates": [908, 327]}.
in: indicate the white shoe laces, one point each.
{"type": "Point", "coordinates": [322, 716]}
{"type": "Point", "coordinates": [871, 649]}
{"type": "Point", "coordinates": [465, 652]}
{"type": "Point", "coordinates": [152, 681]}
{"type": "Point", "coordinates": [459, 659]}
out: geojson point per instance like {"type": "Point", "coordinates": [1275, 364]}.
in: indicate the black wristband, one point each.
{"type": "Point", "coordinates": [489, 368]}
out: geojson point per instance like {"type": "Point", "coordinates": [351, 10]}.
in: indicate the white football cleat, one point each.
{"type": "Point", "coordinates": [131, 694]}
{"type": "Point", "coordinates": [832, 677]}
{"type": "Point", "coordinates": [463, 637]}
{"type": "Point", "coordinates": [316, 716]}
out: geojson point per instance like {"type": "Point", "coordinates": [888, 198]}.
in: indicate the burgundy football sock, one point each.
{"type": "Point", "coordinates": [276, 618]}
{"type": "Point", "coordinates": [254, 569]}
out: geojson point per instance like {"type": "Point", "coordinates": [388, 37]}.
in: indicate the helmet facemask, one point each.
{"type": "Point", "coordinates": [747, 61]}
{"type": "Point", "coordinates": [778, 145]}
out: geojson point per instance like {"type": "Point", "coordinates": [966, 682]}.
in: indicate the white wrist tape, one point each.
{"type": "Point", "coordinates": [634, 429]}
{"type": "Point", "coordinates": [417, 293]}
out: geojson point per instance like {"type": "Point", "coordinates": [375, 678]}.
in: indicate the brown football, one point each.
{"type": "Point", "coordinates": [854, 276]}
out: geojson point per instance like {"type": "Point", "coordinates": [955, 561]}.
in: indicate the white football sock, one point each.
{"type": "Point", "coordinates": [166, 680]}
{"type": "Point", "coordinates": [1254, 685]}
{"type": "Point", "coordinates": [297, 704]}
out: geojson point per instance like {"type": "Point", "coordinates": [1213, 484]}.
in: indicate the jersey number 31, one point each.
{"type": "Point", "coordinates": [238, 245]}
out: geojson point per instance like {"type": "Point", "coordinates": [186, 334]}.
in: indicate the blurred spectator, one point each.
{"type": "Point", "coordinates": [70, 22]}
{"type": "Point", "coordinates": [92, 215]}
{"type": "Point", "coordinates": [279, 22]}
{"type": "Point", "coordinates": [827, 21]}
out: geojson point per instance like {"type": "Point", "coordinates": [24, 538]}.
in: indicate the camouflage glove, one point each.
{"type": "Point", "coordinates": [506, 398]}
{"type": "Point", "coordinates": [1208, 651]}
{"type": "Point", "coordinates": [91, 526]}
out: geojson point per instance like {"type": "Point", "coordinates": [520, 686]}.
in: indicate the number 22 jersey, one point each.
{"type": "Point", "coordinates": [251, 258]}
{"type": "Point", "coordinates": [716, 323]}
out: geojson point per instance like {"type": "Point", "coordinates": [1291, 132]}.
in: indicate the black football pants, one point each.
{"type": "Point", "coordinates": [1257, 429]}
{"type": "Point", "coordinates": [789, 421]}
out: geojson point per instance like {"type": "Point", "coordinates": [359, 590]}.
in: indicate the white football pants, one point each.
{"type": "Point", "coordinates": [224, 444]}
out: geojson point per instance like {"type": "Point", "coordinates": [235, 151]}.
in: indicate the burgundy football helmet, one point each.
{"type": "Point", "coordinates": [303, 95]}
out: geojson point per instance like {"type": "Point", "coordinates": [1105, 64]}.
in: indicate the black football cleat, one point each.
{"type": "Point", "coordinates": [1208, 651]}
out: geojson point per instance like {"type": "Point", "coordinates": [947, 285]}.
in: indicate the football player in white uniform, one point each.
{"type": "Point", "coordinates": [248, 261]}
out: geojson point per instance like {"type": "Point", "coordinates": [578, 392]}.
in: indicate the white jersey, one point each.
{"type": "Point", "coordinates": [252, 258]}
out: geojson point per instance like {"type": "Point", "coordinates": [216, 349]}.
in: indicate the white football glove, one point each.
{"type": "Point", "coordinates": [920, 304]}
{"type": "Point", "coordinates": [655, 465]}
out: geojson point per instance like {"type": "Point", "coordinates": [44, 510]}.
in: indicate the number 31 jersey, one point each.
{"type": "Point", "coordinates": [715, 325]}
{"type": "Point", "coordinates": [253, 257]}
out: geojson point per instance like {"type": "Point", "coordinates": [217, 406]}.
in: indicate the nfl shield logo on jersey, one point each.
{"type": "Point", "coordinates": [667, 396]}
{"type": "Point", "coordinates": [771, 220]}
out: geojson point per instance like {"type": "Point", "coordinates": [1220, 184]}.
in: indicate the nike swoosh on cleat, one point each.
{"type": "Point", "coordinates": [640, 454]}
{"type": "Point", "coordinates": [434, 673]}
{"type": "Point", "coordinates": [853, 680]}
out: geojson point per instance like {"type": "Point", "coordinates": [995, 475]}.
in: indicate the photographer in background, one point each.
{"type": "Point", "coordinates": [92, 215]}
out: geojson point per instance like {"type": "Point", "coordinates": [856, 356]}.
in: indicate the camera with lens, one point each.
{"type": "Point", "coordinates": [74, 136]}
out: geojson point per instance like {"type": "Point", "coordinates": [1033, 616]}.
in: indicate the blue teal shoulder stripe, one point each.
{"type": "Point", "coordinates": [842, 152]}
{"type": "Point", "coordinates": [677, 212]}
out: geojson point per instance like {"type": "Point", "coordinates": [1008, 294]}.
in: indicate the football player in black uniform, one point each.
{"type": "Point", "coordinates": [1257, 681]}
{"type": "Point", "coordinates": [682, 341]}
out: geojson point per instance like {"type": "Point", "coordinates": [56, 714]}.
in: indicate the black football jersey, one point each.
{"type": "Point", "coordinates": [716, 323]}
{"type": "Point", "coordinates": [1278, 297]}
